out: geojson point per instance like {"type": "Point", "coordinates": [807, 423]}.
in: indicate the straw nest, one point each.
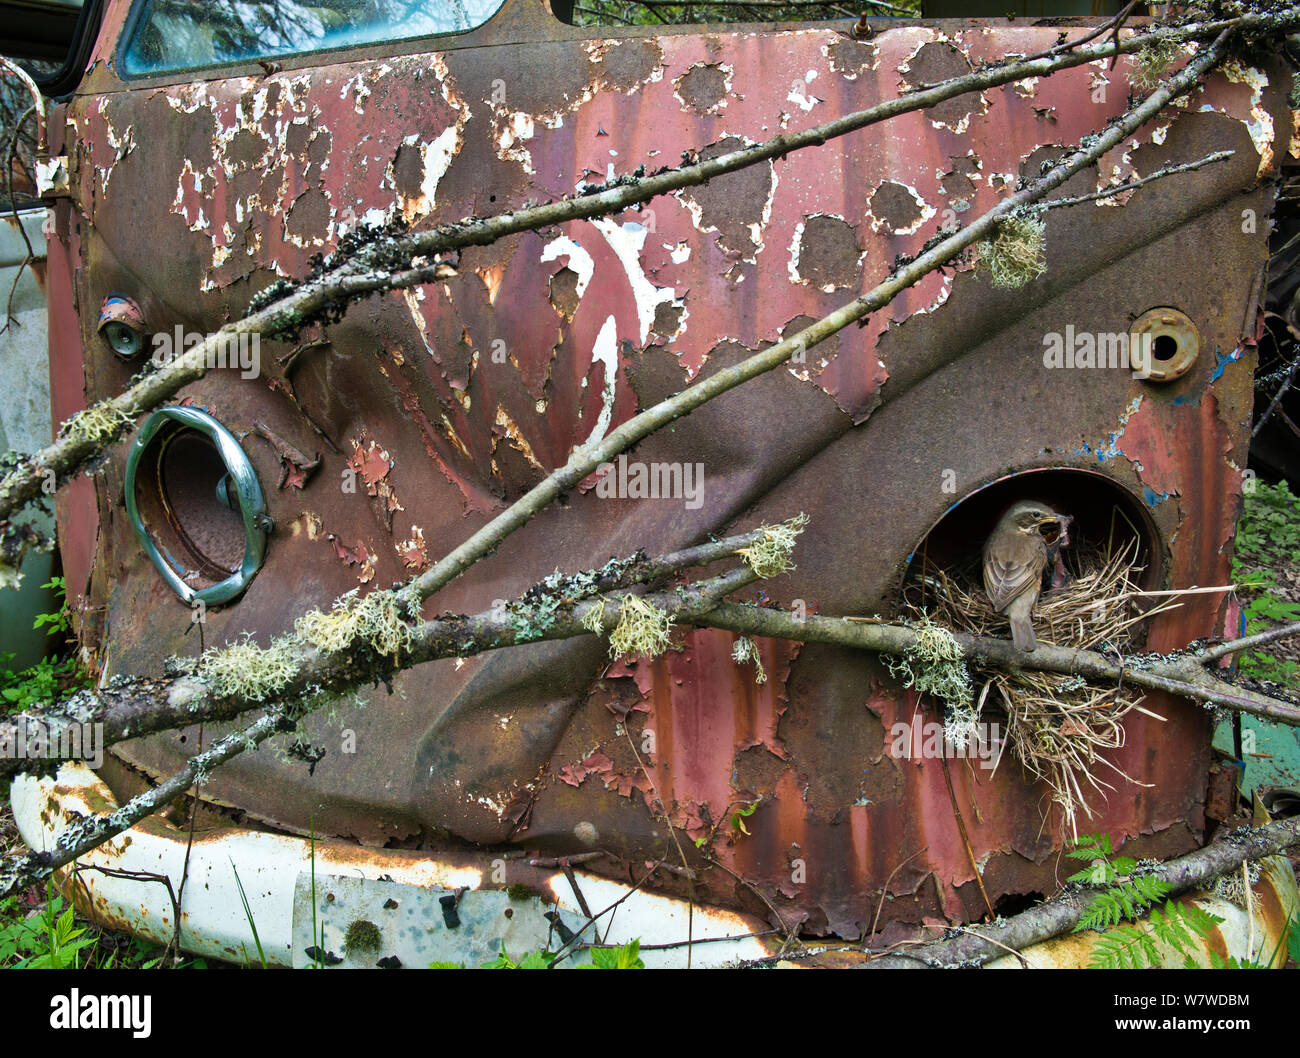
{"type": "Point", "coordinates": [1057, 726]}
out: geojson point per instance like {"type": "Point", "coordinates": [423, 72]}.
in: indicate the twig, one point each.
{"type": "Point", "coordinates": [965, 838]}
{"type": "Point", "coordinates": [87, 834]}
{"type": "Point", "coordinates": [1277, 397]}
{"type": "Point", "coordinates": [1182, 676]}
{"type": "Point", "coordinates": [1024, 963]}
{"type": "Point", "coordinates": [885, 891]}
{"type": "Point", "coordinates": [1250, 642]}
{"type": "Point", "coordinates": [1129, 185]}
{"type": "Point", "coordinates": [1061, 915]}
{"type": "Point", "coordinates": [132, 708]}
{"type": "Point", "coordinates": [672, 832]}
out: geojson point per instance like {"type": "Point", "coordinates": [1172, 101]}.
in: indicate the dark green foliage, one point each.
{"type": "Point", "coordinates": [1126, 897]}
{"type": "Point", "coordinates": [1268, 537]}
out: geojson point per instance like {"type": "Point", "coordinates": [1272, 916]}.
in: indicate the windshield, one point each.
{"type": "Point", "coordinates": [188, 34]}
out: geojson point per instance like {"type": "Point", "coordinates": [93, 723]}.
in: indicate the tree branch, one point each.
{"type": "Point", "coordinates": [1182, 675]}
{"type": "Point", "coordinates": [1061, 915]}
{"type": "Point", "coordinates": [131, 707]}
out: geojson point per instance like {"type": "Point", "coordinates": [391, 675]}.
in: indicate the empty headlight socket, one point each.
{"type": "Point", "coordinates": [195, 503]}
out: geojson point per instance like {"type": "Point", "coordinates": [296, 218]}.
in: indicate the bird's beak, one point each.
{"type": "Point", "coordinates": [1056, 529]}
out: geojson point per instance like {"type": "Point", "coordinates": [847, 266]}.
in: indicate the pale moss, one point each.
{"type": "Point", "coordinates": [96, 425]}
{"type": "Point", "coordinates": [1232, 886]}
{"type": "Point", "coordinates": [1016, 254]}
{"type": "Point", "coordinates": [245, 670]}
{"type": "Point", "coordinates": [745, 651]}
{"type": "Point", "coordinates": [770, 557]}
{"type": "Point", "coordinates": [594, 619]}
{"type": "Point", "coordinates": [375, 619]}
{"type": "Point", "coordinates": [934, 665]}
{"type": "Point", "coordinates": [642, 629]}
{"type": "Point", "coordinates": [1151, 62]}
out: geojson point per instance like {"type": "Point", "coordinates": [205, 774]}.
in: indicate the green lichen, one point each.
{"type": "Point", "coordinates": [532, 617]}
{"type": "Point", "coordinates": [594, 619]}
{"type": "Point", "coordinates": [934, 665]}
{"type": "Point", "coordinates": [245, 670]}
{"type": "Point", "coordinates": [642, 629]}
{"type": "Point", "coordinates": [745, 651]}
{"type": "Point", "coordinates": [1015, 254]}
{"type": "Point", "coordinates": [1151, 62]}
{"type": "Point", "coordinates": [96, 425]}
{"type": "Point", "coordinates": [375, 619]}
{"type": "Point", "coordinates": [770, 557]}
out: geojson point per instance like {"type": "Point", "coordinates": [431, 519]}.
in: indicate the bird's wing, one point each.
{"type": "Point", "coordinates": [1008, 574]}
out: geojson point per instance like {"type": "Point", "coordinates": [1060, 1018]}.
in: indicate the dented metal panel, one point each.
{"type": "Point", "coordinates": [423, 413]}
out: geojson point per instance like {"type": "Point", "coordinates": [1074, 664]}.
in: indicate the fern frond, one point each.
{"type": "Point", "coordinates": [1127, 948]}
{"type": "Point", "coordinates": [1198, 919]}
{"type": "Point", "coordinates": [1091, 847]}
{"type": "Point", "coordinates": [1137, 947]}
{"type": "Point", "coordinates": [1124, 901]}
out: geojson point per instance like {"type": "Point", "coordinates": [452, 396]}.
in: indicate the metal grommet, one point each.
{"type": "Point", "coordinates": [182, 450]}
{"type": "Point", "coordinates": [1166, 342]}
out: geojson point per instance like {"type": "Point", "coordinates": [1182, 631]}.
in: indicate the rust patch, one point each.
{"type": "Point", "coordinates": [408, 170]}
{"type": "Point", "coordinates": [758, 770]}
{"type": "Point", "coordinates": [851, 57]}
{"type": "Point", "coordinates": [959, 181]}
{"type": "Point", "coordinates": [564, 292]}
{"type": "Point", "coordinates": [894, 206]}
{"type": "Point", "coordinates": [668, 319]}
{"type": "Point", "coordinates": [937, 61]}
{"type": "Point", "coordinates": [702, 87]}
{"type": "Point", "coordinates": [630, 63]}
{"type": "Point", "coordinates": [246, 149]}
{"type": "Point", "coordinates": [308, 219]}
{"type": "Point", "coordinates": [734, 202]}
{"type": "Point", "coordinates": [828, 252]}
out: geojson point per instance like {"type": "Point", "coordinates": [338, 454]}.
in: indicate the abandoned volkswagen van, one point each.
{"type": "Point", "coordinates": [704, 783]}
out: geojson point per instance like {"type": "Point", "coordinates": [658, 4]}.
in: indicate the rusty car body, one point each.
{"type": "Point", "coordinates": [190, 189]}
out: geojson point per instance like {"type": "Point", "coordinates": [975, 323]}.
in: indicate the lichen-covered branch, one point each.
{"type": "Point", "coordinates": [1061, 915]}
{"type": "Point", "coordinates": [309, 689]}
{"type": "Point", "coordinates": [228, 681]}
{"type": "Point", "coordinates": [1181, 674]}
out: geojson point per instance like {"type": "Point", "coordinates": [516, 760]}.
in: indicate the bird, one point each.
{"type": "Point", "coordinates": [1015, 556]}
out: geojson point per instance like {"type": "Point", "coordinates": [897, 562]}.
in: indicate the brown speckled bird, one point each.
{"type": "Point", "coordinates": [1015, 557]}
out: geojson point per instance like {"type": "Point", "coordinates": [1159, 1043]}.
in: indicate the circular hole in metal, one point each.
{"type": "Point", "coordinates": [1163, 344]}
{"type": "Point", "coordinates": [178, 490]}
{"type": "Point", "coordinates": [1105, 516]}
{"type": "Point", "coordinates": [1164, 347]}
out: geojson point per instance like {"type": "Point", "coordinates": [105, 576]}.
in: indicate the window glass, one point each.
{"type": "Point", "coordinates": [188, 34]}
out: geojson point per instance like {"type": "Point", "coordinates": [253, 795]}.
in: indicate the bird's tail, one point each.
{"type": "Point", "coordinates": [1022, 633]}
